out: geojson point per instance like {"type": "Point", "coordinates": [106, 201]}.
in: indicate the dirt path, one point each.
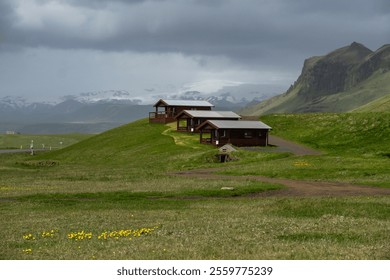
{"type": "Point", "coordinates": [298, 188]}
{"type": "Point", "coordinates": [280, 145]}
{"type": "Point", "coordinates": [288, 146]}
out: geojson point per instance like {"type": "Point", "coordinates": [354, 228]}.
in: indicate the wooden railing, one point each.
{"type": "Point", "coordinates": [205, 141]}
{"type": "Point", "coordinates": [161, 117]}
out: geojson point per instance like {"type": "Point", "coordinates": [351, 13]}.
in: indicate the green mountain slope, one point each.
{"type": "Point", "coordinates": [341, 81]}
{"type": "Point", "coordinates": [379, 105]}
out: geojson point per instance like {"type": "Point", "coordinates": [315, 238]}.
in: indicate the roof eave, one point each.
{"type": "Point", "coordinates": [160, 101]}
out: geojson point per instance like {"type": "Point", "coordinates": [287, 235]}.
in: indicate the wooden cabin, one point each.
{"type": "Point", "coordinates": [167, 110]}
{"type": "Point", "coordinates": [238, 133]}
{"type": "Point", "coordinates": [189, 120]}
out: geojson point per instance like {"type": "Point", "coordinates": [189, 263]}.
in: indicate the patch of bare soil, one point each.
{"type": "Point", "coordinates": [297, 188]}
{"type": "Point", "coordinates": [288, 146]}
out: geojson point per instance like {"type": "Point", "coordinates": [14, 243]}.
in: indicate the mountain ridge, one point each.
{"type": "Point", "coordinates": [101, 110]}
{"type": "Point", "coordinates": [340, 81]}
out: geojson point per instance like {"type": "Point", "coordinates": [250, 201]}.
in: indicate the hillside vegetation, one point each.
{"type": "Point", "coordinates": [379, 105]}
{"type": "Point", "coordinates": [361, 134]}
{"type": "Point", "coordinates": [114, 196]}
{"type": "Point", "coordinates": [139, 147]}
{"type": "Point", "coordinates": [341, 81]}
{"type": "Point", "coordinates": [355, 146]}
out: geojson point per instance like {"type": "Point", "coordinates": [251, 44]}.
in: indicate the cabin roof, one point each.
{"type": "Point", "coordinates": [189, 103]}
{"type": "Point", "coordinates": [222, 124]}
{"type": "Point", "coordinates": [209, 114]}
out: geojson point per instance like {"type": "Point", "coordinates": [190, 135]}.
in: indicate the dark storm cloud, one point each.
{"type": "Point", "coordinates": [53, 48]}
{"type": "Point", "coordinates": [246, 31]}
{"type": "Point", "coordinates": [6, 13]}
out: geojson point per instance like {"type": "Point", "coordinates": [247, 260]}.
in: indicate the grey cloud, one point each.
{"type": "Point", "coordinates": [59, 47]}
{"type": "Point", "coordinates": [226, 27]}
{"type": "Point", "coordinates": [6, 17]}
{"type": "Point", "coordinates": [245, 31]}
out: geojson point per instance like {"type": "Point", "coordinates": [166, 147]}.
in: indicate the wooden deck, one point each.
{"type": "Point", "coordinates": [161, 117]}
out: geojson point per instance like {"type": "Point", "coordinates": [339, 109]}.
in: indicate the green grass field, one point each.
{"type": "Point", "coordinates": [356, 148]}
{"type": "Point", "coordinates": [23, 141]}
{"type": "Point", "coordinates": [112, 196]}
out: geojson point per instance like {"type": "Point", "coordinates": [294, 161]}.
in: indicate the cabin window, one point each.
{"type": "Point", "coordinates": [223, 133]}
{"type": "Point", "coordinates": [248, 134]}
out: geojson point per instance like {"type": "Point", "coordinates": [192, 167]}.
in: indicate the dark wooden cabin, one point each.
{"type": "Point", "coordinates": [167, 110]}
{"type": "Point", "coordinates": [189, 120]}
{"type": "Point", "coordinates": [238, 133]}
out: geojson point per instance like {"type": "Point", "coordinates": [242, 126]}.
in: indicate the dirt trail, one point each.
{"type": "Point", "coordinates": [288, 146]}
{"type": "Point", "coordinates": [298, 188]}
{"type": "Point", "coordinates": [281, 145]}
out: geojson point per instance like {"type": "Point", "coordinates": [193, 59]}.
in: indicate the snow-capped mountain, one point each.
{"type": "Point", "coordinates": [113, 107]}
{"type": "Point", "coordinates": [11, 102]}
{"type": "Point", "coordinates": [230, 95]}
{"type": "Point", "coordinates": [106, 96]}
{"type": "Point", "coordinates": [84, 113]}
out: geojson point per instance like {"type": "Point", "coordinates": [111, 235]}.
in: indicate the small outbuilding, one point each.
{"type": "Point", "coordinates": [167, 110]}
{"type": "Point", "coordinates": [189, 120]}
{"type": "Point", "coordinates": [237, 133]}
{"type": "Point", "coordinates": [224, 153]}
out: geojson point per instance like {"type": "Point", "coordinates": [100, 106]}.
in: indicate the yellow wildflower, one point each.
{"type": "Point", "coordinates": [301, 163]}
{"type": "Point", "coordinates": [29, 236]}
{"type": "Point", "coordinates": [27, 251]}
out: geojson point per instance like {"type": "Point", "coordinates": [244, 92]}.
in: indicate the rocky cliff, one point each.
{"type": "Point", "coordinates": [342, 80]}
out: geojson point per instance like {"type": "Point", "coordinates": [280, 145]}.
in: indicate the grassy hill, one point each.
{"type": "Point", "coordinates": [139, 147]}
{"type": "Point", "coordinates": [113, 196]}
{"type": "Point", "coordinates": [346, 133]}
{"type": "Point", "coordinates": [155, 149]}
{"type": "Point", "coordinates": [356, 148]}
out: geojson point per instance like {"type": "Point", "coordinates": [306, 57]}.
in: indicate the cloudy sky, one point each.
{"type": "Point", "coordinates": [52, 48]}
